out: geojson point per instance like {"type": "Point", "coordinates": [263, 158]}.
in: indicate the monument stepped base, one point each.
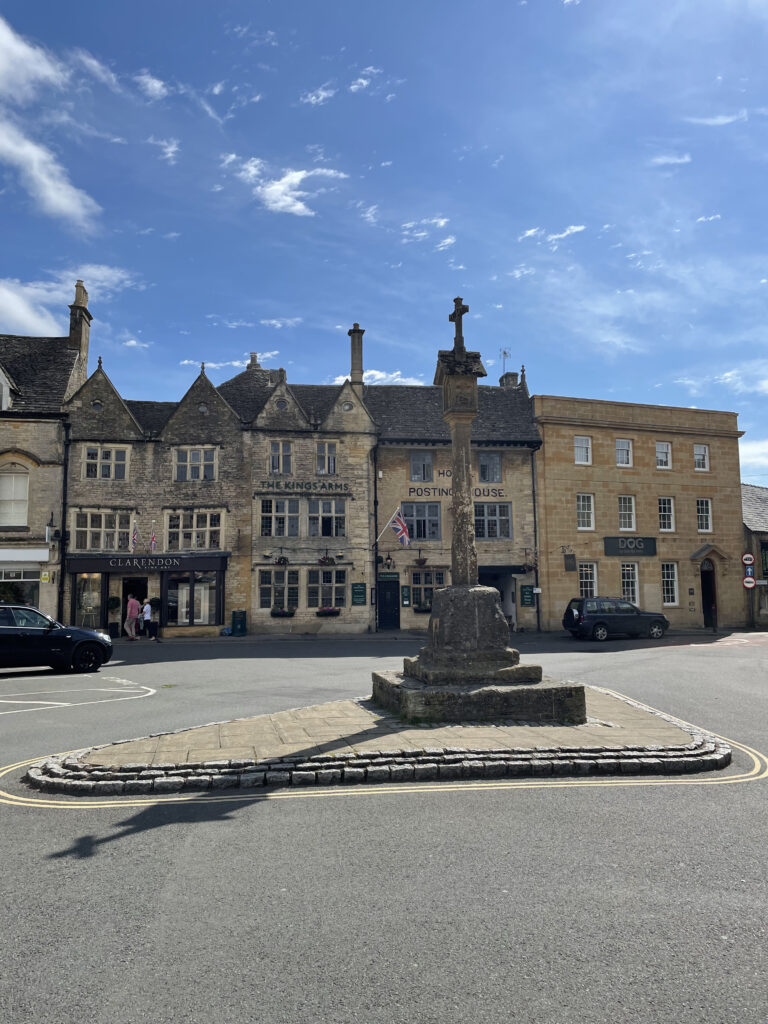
{"type": "Point", "coordinates": [547, 702]}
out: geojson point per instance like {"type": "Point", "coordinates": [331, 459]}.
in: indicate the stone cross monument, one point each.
{"type": "Point", "coordinates": [467, 671]}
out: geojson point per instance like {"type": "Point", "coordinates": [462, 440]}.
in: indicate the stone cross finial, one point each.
{"type": "Point", "coordinates": [459, 309]}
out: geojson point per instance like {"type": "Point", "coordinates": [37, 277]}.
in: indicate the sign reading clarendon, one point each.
{"type": "Point", "coordinates": [629, 545]}
{"type": "Point", "coordinates": [320, 486]}
{"type": "Point", "coordinates": [146, 563]}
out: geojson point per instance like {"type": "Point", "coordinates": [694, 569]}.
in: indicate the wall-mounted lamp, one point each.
{"type": "Point", "coordinates": [339, 554]}
{"type": "Point", "coordinates": [389, 561]}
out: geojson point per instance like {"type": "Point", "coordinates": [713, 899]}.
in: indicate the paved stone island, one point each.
{"type": "Point", "coordinates": [353, 741]}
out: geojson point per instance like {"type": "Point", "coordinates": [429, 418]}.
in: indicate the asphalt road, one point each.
{"type": "Point", "coordinates": [622, 900]}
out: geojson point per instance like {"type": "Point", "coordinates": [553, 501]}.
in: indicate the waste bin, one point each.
{"type": "Point", "coordinates": [238, 623]}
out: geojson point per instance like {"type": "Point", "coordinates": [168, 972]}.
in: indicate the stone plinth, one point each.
{"type": "Point", "coordinates": [548, 701]}
{"type": "Point", "coordinates": [468, 673]}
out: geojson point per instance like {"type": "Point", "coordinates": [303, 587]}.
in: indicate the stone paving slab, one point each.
{"type": "Point", "coordinates": [352, 741]}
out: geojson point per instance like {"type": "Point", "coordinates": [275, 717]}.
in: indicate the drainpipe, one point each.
{"type": "Point", "coordinates": [376, 541]}
{"type": "Point", "coordinates": [535, 540]}
{"type": "Point", "coordinates": [63, 541]}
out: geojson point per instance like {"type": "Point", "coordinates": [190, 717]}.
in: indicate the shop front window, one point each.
{"type": "Point", "coordinates": [88, 599]}
{"type": "Point", "coordinates": [20, 586]}
{"type": "Point", "coordinates": [192, 599]}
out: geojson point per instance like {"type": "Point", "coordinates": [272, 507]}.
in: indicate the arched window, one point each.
{"type": "Point", "coordinates": [14, 494]}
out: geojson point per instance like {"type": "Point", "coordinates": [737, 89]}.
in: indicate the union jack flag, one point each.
{"type": "Point", "coordinates": [153, 541]}
{"type": "Point", "coordinates": [134, 537]}
{"type": "Point", "coordinates": [400, 527]}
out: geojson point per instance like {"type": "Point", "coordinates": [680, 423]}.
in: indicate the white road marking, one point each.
{"type": "Point", "coordinates": [48, 703]}
{"type": "Point", "coordinates": [135, 692]}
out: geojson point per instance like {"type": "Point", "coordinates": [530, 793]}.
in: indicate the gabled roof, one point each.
{"type": "Point", "coordinates": [40, 368]}
{"type": "Point", "coordinates": [754, 504]}
{"type": "Point", "coordinates": [151, 416]}
{"type": "Point", "coordinates": [247, 392]}
{"type": "Point", "coordinates": [408, 413]}
{"type": "Point", "coordinates": [316, 400]}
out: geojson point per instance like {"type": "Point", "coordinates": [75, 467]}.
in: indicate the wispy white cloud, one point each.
{"type": "Point", "coordinates": [383, 377]}
{"type": "Point", "coordinates": [45, 180]}
{"type": "Point", "coordinates": [169, 148]}
{"type": "Point", "coordinates": [153, 88]}
{"type": "Point", "coordinates": [706, 220]}
{"type": "Point", "coordinates": [521, 270]}
{"type": "Point", "coordinates": [718, 120]}
{"type": "Point", "coordinates": [24, 67]}
{"type": "Point", "coordinates": [385, 163]}
{"type": "Point", "coordinates": [573, 229]}
{"type": "Point", "coordinates": [133, 343]}
{"type": "Point", "coordinates": [359, 84]}
{"type": "Point", "coordinates": [97, 70]}
{"type": "Point", "coordinates": [238, 364]}
{"type": "Point", "coordinates": [753, 455]}
{"type": "Point", "coordinates": [419, 230]}
{"type": "Point", "coordinates": [747, 378]}
{"type": "Point", "coordinates": [446, 243]}
{"type": "Point", "coordinates": [370, 214]}
{"type": "Point", "coordinates": [318, 96]}
{"type": "Point", "coordinates": [283, 194]}
{"type": "Point", "coordinates": [669, 159]}
{"type": "Point", "coordinates": [280, 322]}
{"type": "Point", "coordinates": [531, 233]}
{"type": "Point", "coordinates": [40, 307]}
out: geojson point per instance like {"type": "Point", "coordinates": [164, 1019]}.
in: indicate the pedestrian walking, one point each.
{"type": "Point", "coordinates": [131, 617]}
{"type": "Point", "coordinates": [150, 627]}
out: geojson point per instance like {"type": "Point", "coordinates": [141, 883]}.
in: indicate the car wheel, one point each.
{"type": "Point", "coordinates": [87, 658]}
{"type": "Point", "coordinates": [600, 632]}
{"type": "Point", "coordinates": [655, 631]}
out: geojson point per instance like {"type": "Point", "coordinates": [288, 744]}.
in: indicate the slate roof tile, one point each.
{"type": "Point", "coordinates": [754, 503]}
{"type": "Point", "coordinates": [40, 368]}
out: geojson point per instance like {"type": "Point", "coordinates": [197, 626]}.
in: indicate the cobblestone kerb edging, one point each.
{"type": "Point", "coordinates": [71, 774]}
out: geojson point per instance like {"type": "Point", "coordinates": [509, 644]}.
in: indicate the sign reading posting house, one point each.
{"type": "Point", "coordinates": [629, 546]}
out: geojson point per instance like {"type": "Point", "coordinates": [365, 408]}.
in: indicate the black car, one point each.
{"type": "Point", "coordinates": [601, 617]}
{"type": "Point", "coordinates": [29, 637]}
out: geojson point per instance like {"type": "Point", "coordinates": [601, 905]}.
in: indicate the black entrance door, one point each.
{"type": "Point", "coordinates": [388, 598]}
{"type": "Point", "coordinates": [708, 594]}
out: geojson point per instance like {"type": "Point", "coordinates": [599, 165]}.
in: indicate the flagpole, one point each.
{"type": "Point", "coordinates": [387, 524]}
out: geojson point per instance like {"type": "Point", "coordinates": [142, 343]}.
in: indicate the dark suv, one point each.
{"type": "Point", "coordinates": [601, 617]}
{"type": "Point", "coordinates": [29, 637]}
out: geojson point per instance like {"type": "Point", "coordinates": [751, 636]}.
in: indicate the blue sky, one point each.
{"type": "Point", "coordinates": [589, 176]}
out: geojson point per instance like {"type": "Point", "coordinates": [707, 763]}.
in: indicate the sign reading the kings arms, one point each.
{"type": "Point", "coordinates": [320, 486]}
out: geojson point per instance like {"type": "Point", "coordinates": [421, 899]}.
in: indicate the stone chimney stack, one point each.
{"type": "Point", "coordinates": [80, 328]}
{"type": "Point", "coordinates": [508, 380]}
{"type": "Point", "coordinates": [356, 356]}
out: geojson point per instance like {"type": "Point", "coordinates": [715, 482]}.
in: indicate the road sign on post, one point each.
{"type": "Point", "coordinates": [748, 582]}
{"type": "Point", "coordinates": [748, 558]}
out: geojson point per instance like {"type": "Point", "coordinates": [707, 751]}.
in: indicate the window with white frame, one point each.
{"type": "Point", "coordinates": [279, 517]}
{"type": "Point", "coordinates": [626, 512]}
{"type": "Point", "coordinates": [585, 511]}
{"type": "Point", "coordinates": [704, 515]}
{"type": "Point", "coordinates": [195, 464]}
{"type": "Point", "coordinates": [493, 521]}
{"type": "Point", "coordinates": [326, 588]}
{"type": "Point", "coordinates": [326, 458]}
{"type": "Point", "coordinates": [587, 579]}
{"type": "Point", "coordinates": [327, 517]}
{"type": "Point", "coordinates": [623, 451]}
{"type": "Point", "coordinates": [194, 531]}
{"type": "Point", "coordinates": [489, 467]}
{"type": "Point", "coordinates": [629, 581]}
{"type": "Point", "coordinates": [666, 515]}
{"type": "Point", "coordinates": [97, 530]}
{"type": "Point", "coordinates": [701, 457]}
{"type": "Point", "coordinates": [280, 458]}
{"type": "Point", "coordinates": [14, 497]}
{"type": "Point", "coordinates": [582, 450]}
{"type": "Point", "coordinates": [663, 455]}
{"type": "Point", "coordinates": [421, 466]}
{"type": "Point", "coordinates": [278, 588]}
{"type": "Point", "coordinates": [669, 583]}
{"type": "Point", "coordinates": [423, 583]}
{"type": "Point", "coordinates": [105, 463]}
{"type": "Point", "coordinates": [422, 519]}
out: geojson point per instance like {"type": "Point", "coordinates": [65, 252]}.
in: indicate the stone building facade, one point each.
{"type": "Point", "coordinates": [755, 507]}
{"type": "Point", "coordinates": [36, 376]}
{"type": "Point", "coordinates": [641, 502]}
{"type": "Point", "coordinates": [274, 500]}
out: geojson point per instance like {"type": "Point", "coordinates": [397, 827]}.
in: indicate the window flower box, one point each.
{"type": "Point", "coordinates": [421, 562]}
{"type": "Point", "coordinates": [282, 613]}
{"type": "Point", "coordinates": [282, 560]}
{"type": "Point", "coordinates": [327, 613]}
{"type": "Point", "coordinates": [326, 560]}
{"type": "Point", "coordinates": [422, 609]}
